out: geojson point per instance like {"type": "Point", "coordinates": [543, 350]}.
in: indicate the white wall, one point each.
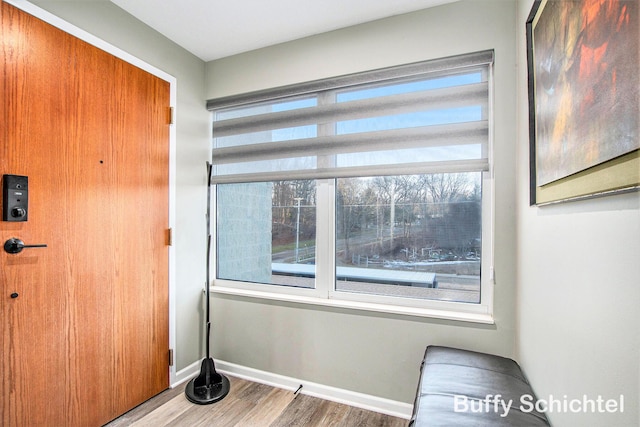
{"type": "Point", "coordinates": [111, 24]}
{"type": "Point", "coordinates": [578, 306]}
{"type": "Point", "coordinates": [375, 354]}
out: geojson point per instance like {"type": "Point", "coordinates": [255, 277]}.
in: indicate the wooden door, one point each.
{"type": "Point", "coordinates": [86, 338]}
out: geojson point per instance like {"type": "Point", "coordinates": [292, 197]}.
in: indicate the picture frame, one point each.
{"type": "Point", "coordinates": [584, 102]}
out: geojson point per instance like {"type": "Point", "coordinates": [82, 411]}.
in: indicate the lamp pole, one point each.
{"type": "Point", "coordinates": [298, 200]}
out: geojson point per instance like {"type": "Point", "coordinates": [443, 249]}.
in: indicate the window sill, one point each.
{"type": "Point", "coordinates": [481, 318]}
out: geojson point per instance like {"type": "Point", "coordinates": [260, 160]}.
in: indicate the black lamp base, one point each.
{"type": "Point", "coordinates": [208, 387]}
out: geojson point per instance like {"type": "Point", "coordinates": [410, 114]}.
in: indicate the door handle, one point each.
{"type": "Point", "coordinates": [15, 246]}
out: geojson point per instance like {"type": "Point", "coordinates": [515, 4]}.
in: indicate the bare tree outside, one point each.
{"type": "Point", "coordinates": [395, 235]}
{"type": "Point", "coordinates": [410, 235]}
{"type": "Point", "coordinates": [413, 223]}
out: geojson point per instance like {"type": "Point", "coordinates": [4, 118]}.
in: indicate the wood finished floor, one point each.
{"type": "Point", "coordinates": [251, 404]}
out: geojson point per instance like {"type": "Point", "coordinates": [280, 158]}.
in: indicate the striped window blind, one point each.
{"type": "Point", "coordinates": [427, 117]}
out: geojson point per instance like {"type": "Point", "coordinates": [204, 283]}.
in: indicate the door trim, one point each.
{"type": "Point", "coordinates": [81, 34]}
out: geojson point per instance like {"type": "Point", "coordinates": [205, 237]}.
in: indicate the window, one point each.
{"type": "Point", "coordinates": [370, 190]}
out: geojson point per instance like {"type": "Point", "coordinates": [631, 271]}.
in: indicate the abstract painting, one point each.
{"type": "Point", "coordinates": [584, 68]}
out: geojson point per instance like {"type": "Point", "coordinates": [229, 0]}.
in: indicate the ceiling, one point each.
{"type": "Point", "coordinates": [212, 29]}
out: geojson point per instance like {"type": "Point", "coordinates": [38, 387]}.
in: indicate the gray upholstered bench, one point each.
{"type": "Point", "coordinates": [465, 388]}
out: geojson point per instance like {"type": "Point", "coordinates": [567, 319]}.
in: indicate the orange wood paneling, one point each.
{"type": "Point", "coordinates": [87, 338]}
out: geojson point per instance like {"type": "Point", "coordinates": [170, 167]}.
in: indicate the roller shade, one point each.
{"type": "Point", "coordinates": [428, 117]}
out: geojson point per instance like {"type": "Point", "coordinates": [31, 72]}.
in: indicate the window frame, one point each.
{"type": "Point", "coordinates": [324, 293]}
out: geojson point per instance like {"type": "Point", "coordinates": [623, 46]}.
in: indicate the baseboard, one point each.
{"type": "Point", "coordinates": [347, 397]}
{"type": "Point", "coordinates": [186, 374]}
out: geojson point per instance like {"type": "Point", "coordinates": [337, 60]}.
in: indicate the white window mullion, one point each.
{"type": "Point", "coordinates": [325, 240]}
{"type": "Point", "coordinates": [326, 130]}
